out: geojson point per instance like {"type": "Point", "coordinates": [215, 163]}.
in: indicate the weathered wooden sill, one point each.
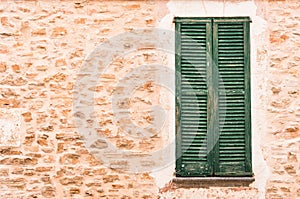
{"type": "Point", "coordinates": [195, 182]}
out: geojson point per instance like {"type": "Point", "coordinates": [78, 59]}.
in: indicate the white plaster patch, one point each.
{"type": "Point", "coordinates": [10, 127]}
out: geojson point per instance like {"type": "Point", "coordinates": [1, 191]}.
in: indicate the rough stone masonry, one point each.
{"type": "Point", "coordinates": [43, 46]}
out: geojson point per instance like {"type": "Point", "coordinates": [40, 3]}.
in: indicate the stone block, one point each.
{"type": "Point", "coordinates": [59, 31]}
{"type": "Point", "coordinates": [13, 182]}
{"type": "Point", "coordinates": [48, 191]}
{"type": "Point", "coordinates": [70, 159]}
{"type": "Point", "coordinates": [110, 178]}
{"type": "Point", "coordinates": [2, 67]}
{"type": "Point", "coordinates": [77, 180]}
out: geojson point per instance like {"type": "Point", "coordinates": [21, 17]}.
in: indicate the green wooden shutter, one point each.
{"type": "Point", "coordinates": [213, 128]}
{"type": "Point", "coordinates": [191, 61]}
{"type": "Point", "coordinates": [231, 56]}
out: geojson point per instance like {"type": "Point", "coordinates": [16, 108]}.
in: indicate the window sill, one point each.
{"type": "Point", "coordinates": [195, 182]}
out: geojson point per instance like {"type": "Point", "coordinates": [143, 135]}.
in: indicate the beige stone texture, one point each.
{"type": "Point", "coordinates": [282, 139]}
{"type": "Point", "coordinates": [44, 46]}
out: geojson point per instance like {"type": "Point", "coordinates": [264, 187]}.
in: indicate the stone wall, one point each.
{"type": "Point", "coordinates": [44, 47]}
{"type": "Point", "coordinates": [282, 141]}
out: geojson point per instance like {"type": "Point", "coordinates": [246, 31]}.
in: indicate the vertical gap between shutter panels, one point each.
{"type": "Point", "coordinates": [215, 97]}
{"type": "Point", "coordinates": [210, 104]}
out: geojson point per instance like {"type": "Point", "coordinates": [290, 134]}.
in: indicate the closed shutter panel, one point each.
{"type": "Point", "coordinates": [191, 65]}
{"type": "Point", "coordinates": [231, 54]}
